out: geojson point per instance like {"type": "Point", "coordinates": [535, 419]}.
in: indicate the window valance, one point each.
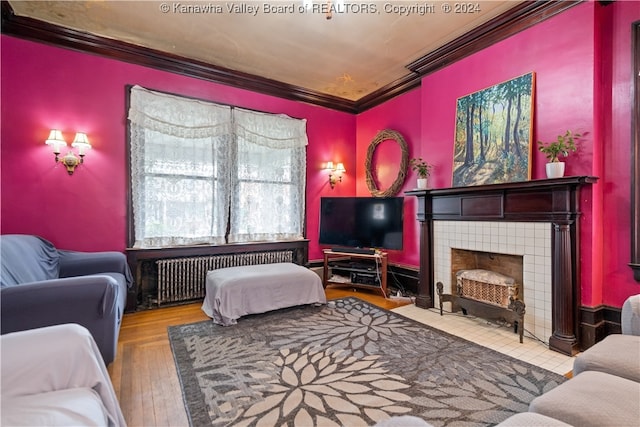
{"type": "Point", "coordinates": [178, 116]}
{"type": "Point", "coordinates": [269, 130]}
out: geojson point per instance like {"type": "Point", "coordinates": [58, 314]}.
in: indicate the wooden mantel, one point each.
{"type": "Point", "coordinates": [546, 200]}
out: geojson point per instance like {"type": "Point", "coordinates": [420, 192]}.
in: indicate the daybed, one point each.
{"type": "Point", "coordinates": [234, 292]}
{"type": "Point", "coordinates": [42, 286]}
{"type": "Point", "coordinates": [605, 388]}
{"type": "Point", "coordinates": [55, 376]}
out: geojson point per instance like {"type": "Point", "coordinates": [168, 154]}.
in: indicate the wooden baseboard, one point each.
{"type": "Point", "coordinates": [598, 322]}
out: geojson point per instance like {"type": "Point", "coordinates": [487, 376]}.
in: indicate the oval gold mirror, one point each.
{"type": "Point", "coordinates": [386, 135]}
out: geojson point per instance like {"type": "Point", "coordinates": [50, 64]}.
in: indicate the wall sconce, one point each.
{"type": "Point", "coordinates": [335, 173]}
{"type": "Point", "coordinates": [70, 161]}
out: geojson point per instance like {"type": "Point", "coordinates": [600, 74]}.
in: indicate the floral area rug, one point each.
{"type": "Point", "coordinates": [347, 363]}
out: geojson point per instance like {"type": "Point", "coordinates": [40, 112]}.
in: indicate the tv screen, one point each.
{"type": "Point", "coordinates": [362, 222]}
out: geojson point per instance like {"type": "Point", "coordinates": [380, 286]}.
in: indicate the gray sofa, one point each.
{"type": "Point", "coordinates": [605, 388]}
{"type": "Point", "coordinates": [43, 286]}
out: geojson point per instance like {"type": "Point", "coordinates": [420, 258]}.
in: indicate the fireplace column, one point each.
{"type": "Point", "coordinates": [425, 281]}
{"type": "Point", "coordinates": [563, 339]}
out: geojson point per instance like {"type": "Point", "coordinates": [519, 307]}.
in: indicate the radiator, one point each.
{"type": "Point", "coordinates": [183, 279]}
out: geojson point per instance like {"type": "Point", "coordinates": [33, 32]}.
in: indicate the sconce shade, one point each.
{"type": "Point", "coordinates": [81, 142]}
{"type": "Point", "coordinates": [56, 140]}
{"type": "Point", "coordinates": [335, 173]}
{"type": "Point", "coordinates": [70, 161]}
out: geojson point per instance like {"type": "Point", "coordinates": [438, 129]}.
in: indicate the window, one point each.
{"type": "Point", "coordinates": [199, 169]}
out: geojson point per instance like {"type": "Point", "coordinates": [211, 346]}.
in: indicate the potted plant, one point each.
{"type": "Point", "coordinates": [561, 147]}
{"type": "Point", "coordinates": [423, 169]}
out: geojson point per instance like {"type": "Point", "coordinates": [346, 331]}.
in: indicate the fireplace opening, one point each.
{"type": "Point", "coordinates": [488, 285]}
{"type": "Point", "coordinates": [505, 264]}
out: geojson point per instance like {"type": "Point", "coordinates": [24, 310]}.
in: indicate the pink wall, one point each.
{"type": "Point", "coordinates": [617, 280]}
{"type": "Point", "coordinates": [563, 94]}
{"type": "Point", "coordinates": [401, 114]}
{"type": "Point", "coordinates": [46, 87]}
{"type": "Point", "coordinates": [571, 93]}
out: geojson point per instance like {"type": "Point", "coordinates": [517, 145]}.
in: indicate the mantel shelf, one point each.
{"type": "Point", "coordinates": [542, 200]}
{"type": "Point", "coordinates": [533, 184]}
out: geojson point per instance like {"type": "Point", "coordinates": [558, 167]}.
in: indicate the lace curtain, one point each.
{"type": "Point", "coordinates": [268, 186]}
{"type": "Point", "coordinates": [194, 162]}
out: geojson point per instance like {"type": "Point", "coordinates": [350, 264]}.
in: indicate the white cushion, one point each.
{"type": "Point", "coordinates": [617, 354]}
{"type": "Point", "coordinates": [70, 407]}
{"type": "Point", "coordinates": [403, 421]}
{"type": "Point", "coordinates": [530, 419]}
{"type": "Point", "coordinates": [55, 362]}
{"type": "Point", "coordinates": [592, 399]}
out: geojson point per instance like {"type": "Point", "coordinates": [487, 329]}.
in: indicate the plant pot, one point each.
{"type": "Point", "coordinates": [422, 183]}
{"type": "Point", "coordinates": [555, 169]}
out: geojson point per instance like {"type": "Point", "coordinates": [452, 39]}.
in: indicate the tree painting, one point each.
{"type": "Point", "coordinates": [493, 134]}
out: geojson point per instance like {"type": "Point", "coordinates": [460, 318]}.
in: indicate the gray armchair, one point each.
{"type": "Point", "coordinates": [616, 354]}
{"type": "Point", "coordinates": [605, 388]}
{"type": "Point", "coordinates": [42, 286]}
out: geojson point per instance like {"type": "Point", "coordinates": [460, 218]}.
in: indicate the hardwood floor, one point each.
{"type": "Point", "coordinates": [144, 373]}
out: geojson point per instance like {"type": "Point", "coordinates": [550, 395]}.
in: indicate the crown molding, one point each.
{"type": "Point", "coordinates": [515, 20]}
{"type": "Point", "coordinates": [44, 32]}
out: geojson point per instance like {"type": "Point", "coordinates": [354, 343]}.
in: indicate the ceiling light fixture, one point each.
{"type": "Point", "coordinates": [328, 7]}
{"type": "Point", "coordinates": [339, 7]}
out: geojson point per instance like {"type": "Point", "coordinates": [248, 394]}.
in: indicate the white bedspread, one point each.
{"type": "Point", "coordinates": [237, 291]}
{"type": "Point", "coordinates": [55, 376]}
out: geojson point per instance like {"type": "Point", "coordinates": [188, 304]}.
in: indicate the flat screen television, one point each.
{"type": "Point", "coordinates": [362, 222]}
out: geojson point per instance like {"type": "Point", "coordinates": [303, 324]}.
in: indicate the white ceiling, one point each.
{"type": "Point", "coordinates": [356, 52]}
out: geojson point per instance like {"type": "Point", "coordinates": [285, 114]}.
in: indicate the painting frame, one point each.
{"type": "Point", "coordinates": [493, 138]}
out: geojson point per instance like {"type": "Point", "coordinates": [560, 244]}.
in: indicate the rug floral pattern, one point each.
{"type": "Point", "coordinates": [348, 363]}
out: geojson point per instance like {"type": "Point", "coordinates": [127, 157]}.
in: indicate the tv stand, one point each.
{"type": "Point", "coordinates": [347, 250]}
{"type": "Point", "coordinates": [365, 278]}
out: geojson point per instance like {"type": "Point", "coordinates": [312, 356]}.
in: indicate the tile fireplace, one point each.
{"type": "Point", "coordinates": [536, 220]}
{"type": "Point", "coordinates": [521, 250]}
